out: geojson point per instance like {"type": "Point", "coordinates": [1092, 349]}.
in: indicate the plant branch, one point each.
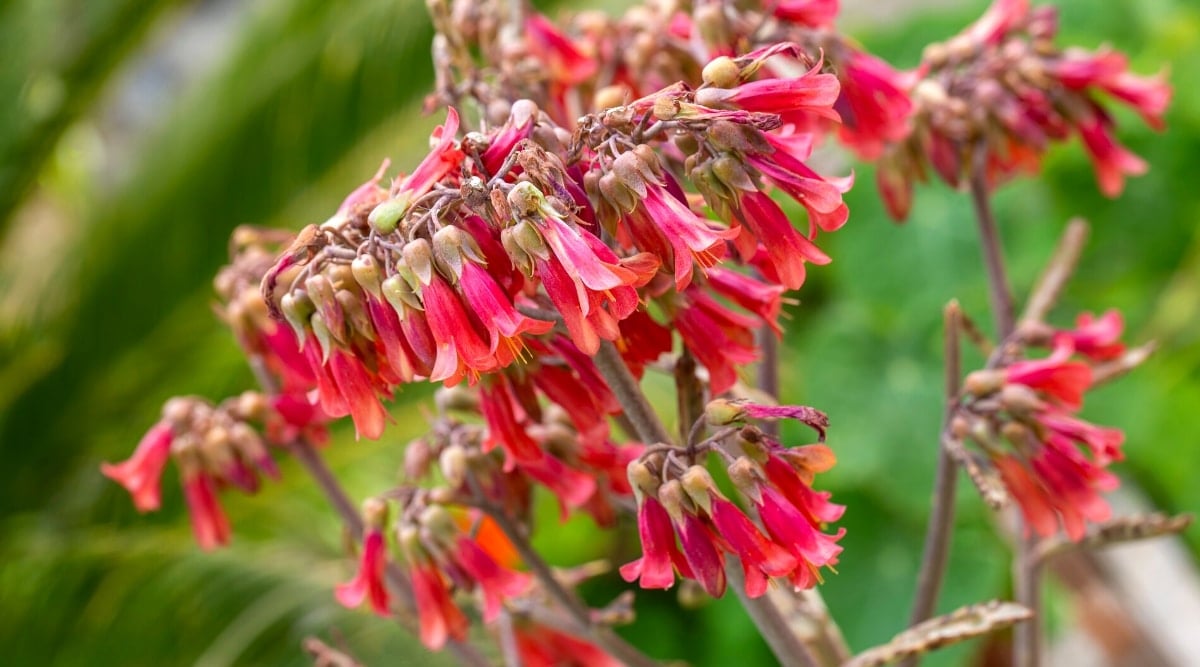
{"type": "Point", "coordinates": [768, 372]}
{"type": "Point", "coordinates": [778, 633]}
{"type": "Point", "coordinates": [570, 602]}
{"type": "Point", "coordinates": [629, 394]}
{"type": "Point", "coordinates": [993, 253]}
{"type": "Point", "coordinates": [941, 518]}
{"type": "Point", "coordinates": [1058, 271]}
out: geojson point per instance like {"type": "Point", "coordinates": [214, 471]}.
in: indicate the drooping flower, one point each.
{"type": "Point", "coordinates": [542, 646]}
{"type": "Point", "coordinates": [368, 584]}
{"type": "Point", "coordinates": [141, 473]}
{"type": "Point", "coordinates": [209, 523]}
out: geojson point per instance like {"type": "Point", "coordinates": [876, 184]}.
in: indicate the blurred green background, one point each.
{"type": "Point", "coordinates": [135, 134]}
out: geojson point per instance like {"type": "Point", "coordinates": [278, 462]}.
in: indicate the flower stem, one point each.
{"type": "Point", "coordinates": [768, 372]}
{"type": "Point", "coordinates": [629, 394]}
{"type": "Point", "coordinates": [571, 603]}
{"type": "Point", "coordinates": [778, 633]}
{"type": "Point", "coordinates": [307, 455]}
{"type": "Point", "coordinates": [941, 517]}
{"type": "Point", "coordinates": [993, 253]}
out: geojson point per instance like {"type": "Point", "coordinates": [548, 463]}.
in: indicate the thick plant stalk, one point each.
{"type": "Point", "coordinates": [941, 517]}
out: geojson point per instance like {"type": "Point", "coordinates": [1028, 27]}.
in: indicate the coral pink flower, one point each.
{"type": "Point", "coordinates": [507, 423]}
{"type": "Point", "coordinates": [791, 527]}
{"type": "Point", "coordinates": [368, 584]}
{"type": "Point", "coordinates": [1056, 376]}
{"type": "Point", "coordinates": [761, 558]}
{"type": "Point", "coordinates": [141, 473]}
{"type": "Point", "coordinates": [702, 554]}
{"type": "Point", "coordinates": [809, 94]}
{"type": "Point", "coordinates": [359, 394]}
{"type": "Point", "coordinates": [660, 555]}
{"type": "Point", "coordinates": [495, 309]}
{"type": "Point", "coordinates": [543, 646]}
{"type": "Point", "coordinates": [1109, 71]}
{"type": "Point", "coordinates": [209, 524]}
{"type": "Point", "coordinates": [787, 249]}
{"type": "Point", "coordinates": [693, 239]}
{"type": "Point", "coordinates": [811, 13]}
{"type": "Point", "coordinates": [1111, 160]}
{"type": "Point", "coordinates": [572, 488]}
{"type": "Point", "coordinates": [567, 65]}
{"type": "Point", "coordinates": [1104, 443]}
{"type": "Point", "coordinates": [820, 197]}
{"type": "Point", "coordinates": [721, 339]}
{"type": "Point", "coordinates": [873, 105]}
{"type": "Point", "coordinates": [497, 582]}
{"type": "Point", "coordinates": [461, 352]}
{"type": "Point", "coordinates": [439, 618]}
{"type": "Point", "coordinates": [762, 299]}
{"type": "Point", "coordinates": [1001, 18]}
{"type": "Point", "coordinates": [1096, 338]}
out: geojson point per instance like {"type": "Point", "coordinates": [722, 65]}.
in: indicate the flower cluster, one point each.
{"type": "Point", "coordinates": [678, 499]}
{"type": "Point", "coordinates": [1023, 415]}
{"type": "Point", "coordinates": [214, 446]}
{"type": "Point", "coordinates": [992, 99]}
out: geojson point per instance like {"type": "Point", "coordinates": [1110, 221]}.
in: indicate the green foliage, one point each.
{"type": "Point", "coordinates": [311, 96]}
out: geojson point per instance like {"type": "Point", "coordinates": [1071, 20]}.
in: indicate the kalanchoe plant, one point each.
{"type": "Point", "coordinates": [597, 186]}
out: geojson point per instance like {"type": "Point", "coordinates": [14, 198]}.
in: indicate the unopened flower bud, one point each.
{"type": "Point", "coordinates": [387, 214]}
{"type": "Point", "coordinates": [455, 399]}
{"type": "Point", "coordinates": [732, 172]}
{"type": "Point", "coordinates": [699, 486]}
{"type": "Point", "coordinates": [722, 412]}
{"type": "Point", "coordinates": [631, 172]}
{"type": "Point", "coordinates": [610, 96]}
{"type": "Point", "coordinates": [251, 405]}
{"type": "Point", "coordinates": [439, 523]}
{"type": "Point", "coordinates": [374, 513]}
{"type": "Point", "coordinates": [453, 462]}
{"type": "Point", "coordinates": [418, 256]}
{"type": "Point", "coordinates": [400, 294]}
{"type": "Point", "coordinates": [960, 427]}
{"type": "Point", "coordinates": [356, 315]}
{"type": "Point", "coordinates": [666, 107]}
{"type": "Point", "coordinates": [619, 195]}
{"type": "Point", "coordinates": [177, 411]}
{"type": "Point", "coordinates": [1018, 434]}
{"type": "Point", "coordinates": [418, 456]}
{"type": "Point", "coordinates": [721, 72]}
{"type": "Point", "coordinates": [641, 478]}
{"type": "Point", "coordinates": [1020, 400]}
{"type": "Point", "coordinates": [673, 498]}
{"type": "Point", "coordinates": [747, 478]}
{"type": "Point", "coordinates": [367, 274]}
{"type": "Point", "coordinates": [984, 383]}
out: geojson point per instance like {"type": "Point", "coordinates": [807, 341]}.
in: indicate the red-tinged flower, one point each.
{"type": "Point", "coordinates": [368, 584]}
{"type": "Point", "coordinates": [566, 64]}
{"type": "Point", "coordinates": [660, 555]}
{"type": "Point", "coordinates": [439, 618]}
{"type": "Point", "coordinates": [1109, 71]}
{"type": "Point", "coordinates": [761, 558]}
{"type": "Point", "coordinates": [392, 346]}
{"type": "Point", "coordinates": [692, 238]}
{"type": "Point", "coordinates": [520, 123]}
{"type": "Point", "coordinates": [141, 473]}
{"type": "Point", "coordinates": [1104, 443]}
{"type": "Point", "coordinates": [1074, 483]}
{"type": "Point", "coordinates": [721, 339]}
{"type": "Point", "coordinates": [811, 94]}
{"type": "Point", "coordinates": [811, 13]}
{"type": "Point", "coordinates": [820, 197]}
{"type": "Point", "coordinates": [1111, 160]}
{"type": "Point", "coordinates": [282, 355]}
{"type": "Point", "coordinates": [1056, 376]}
{"type": "Point", "coordinates": [1098, 338]}
{"type": "Point", "coordinates": [364, 198]}
{"type": "Point", "coordinates": [497, 582]}
{"type": "Point", "coordinates": [495, 309]}
{"type": "Point", "coordinates": [359, 393]}
{"type": "Point", "coordinates": [702, 554]}
{"type": "Point", "coordinates": [507, 422]}
{"type": "Point", "coordinates": [1033, 500]}
{"type": "Point", "coordinates": [791, 472]}
{"type": "Point", "coordinates": [762, 299]}
{"type": "Point", "coordinates": [572, 488]}
{"type": "Point", "coordinates": [791, 527]}
{"type": "Point", "coordinates": [873, 104]}
{"type": "Point", "coordinates": [1001, 18]}
{"type": "Point", "coordinates": [461, 352]}
{"type": "Point", "coordinates": [543, 646]}
{"type": "Point", "coordinates": [786, 247]}
{"type": "Point", "coordinates": [209, 523]}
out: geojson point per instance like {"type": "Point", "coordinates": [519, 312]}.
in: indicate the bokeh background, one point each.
{"type": "Point", "coordinates": [135, 134]}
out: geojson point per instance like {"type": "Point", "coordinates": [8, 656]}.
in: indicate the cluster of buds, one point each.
{"type": "Point", "coordinates": [990, 100]}
{"type": "Point", "coordinates": [214, 446]}
{"type": "Point", "coordinates": [446, 550]}
{"type": "Point", "coordinates": [1022, 414]}
{"type": "Point", "coordinates": [677, 498]}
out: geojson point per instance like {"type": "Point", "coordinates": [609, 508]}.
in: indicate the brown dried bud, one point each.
{"type": "Point", "coordinates": [1020, 400]}
{"type": "Point", "coordinates": [984, 383]}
